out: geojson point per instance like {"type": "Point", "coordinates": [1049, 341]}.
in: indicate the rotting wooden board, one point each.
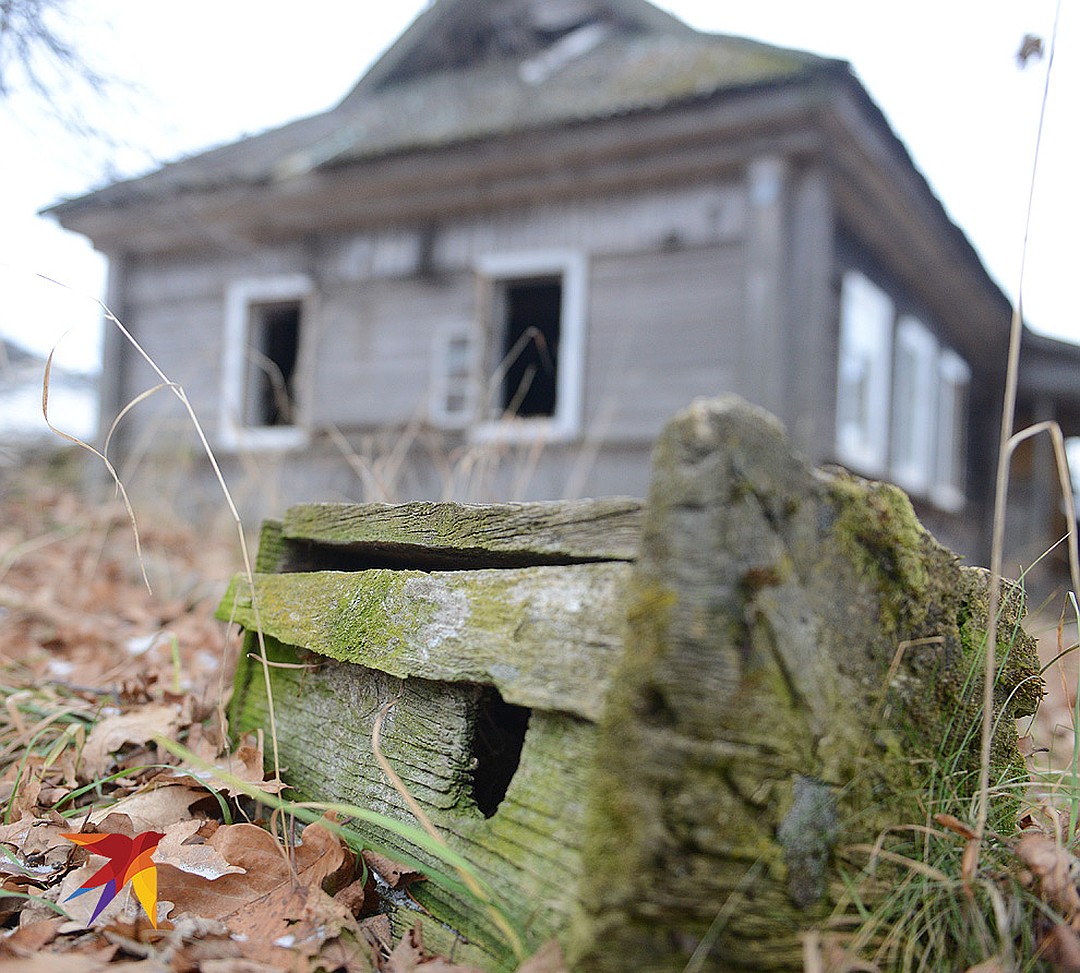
{"type": "Point", "coordinates": [528, 851]}
{"type": "Point", "coordinates": [445, 535]}
{"type": "Point", "coordinates": [544, 637]}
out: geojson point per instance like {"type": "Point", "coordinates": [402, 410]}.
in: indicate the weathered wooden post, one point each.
{"type": "Point", "coordinates": [651, 760]}
{"type": "Point", "coordinates": [802, 658]}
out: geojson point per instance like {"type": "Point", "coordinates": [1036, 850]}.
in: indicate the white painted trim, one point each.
{"type": "Point", "coordinates": [442, 383]}
{"type": "Point", "coordinates": [240, 295]}
{"type": "Point", "coordinates": [572, 267]}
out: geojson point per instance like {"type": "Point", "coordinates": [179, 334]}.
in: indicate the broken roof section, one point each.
{"type": "Point", "coordinates": [474, 69]}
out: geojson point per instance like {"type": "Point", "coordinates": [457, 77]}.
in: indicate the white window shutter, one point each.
{"type": "Point", "coordinates": [915, 406]}
{"type": "Point", "coordinates": [952, 431]}
{"type": "Point", "coordinates": [864, 375]}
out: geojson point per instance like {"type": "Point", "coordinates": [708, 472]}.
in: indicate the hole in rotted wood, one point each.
{"type": "Point", "coordinates": [498, 736]}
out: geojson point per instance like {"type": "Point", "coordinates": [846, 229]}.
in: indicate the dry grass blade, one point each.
{"type": "Point", "coordinates": [104, 459]}
{"type": "Point", "coordinates": [911, 864]}
{"type": "Point", "coordinates": [181, 395]}
{"type": "Point", "coordinates": [1001, 483]}
{"type": "Point", "coordinates": [467, 878]}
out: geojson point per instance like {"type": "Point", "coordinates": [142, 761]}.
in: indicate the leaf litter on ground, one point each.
{"type": "Point", "coordinates": [94, 671]}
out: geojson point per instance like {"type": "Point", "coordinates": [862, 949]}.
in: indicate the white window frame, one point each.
{"type": "Point", "coordinates": [914, 436]}
{"type": "Point", "coordinates": [864, 368]}
{"type": "Point", "coordinates": [954, 376]}
{"type": "Point", "coordinates": [454, 380]}
{"type": "Point", "coordinates": [571, 266]}
{"type": "Point", "coordinates": [241, 295]}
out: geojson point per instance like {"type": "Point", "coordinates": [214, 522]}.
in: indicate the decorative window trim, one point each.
{"type": "Point", "coordinates": [454, 376]}
{"type": "Point", "coordinates": [863, 387]}
{"type": "Point", "coordinates": [241, 295]}
{"type": "Point", "coordinates": [571, 266]}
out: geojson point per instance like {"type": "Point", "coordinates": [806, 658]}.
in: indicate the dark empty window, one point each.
{"type": "Point", "coordinates": [530, 313]}
{"type": "Point", "coordinates": [272, 349]}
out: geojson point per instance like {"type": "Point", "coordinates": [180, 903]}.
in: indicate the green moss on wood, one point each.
{"type": "Point", "coordinates": [545, 637]}
{"type": "Point", "coordinates": [755, 695]}
{"type": "Point", "coordinates": [474, 535]}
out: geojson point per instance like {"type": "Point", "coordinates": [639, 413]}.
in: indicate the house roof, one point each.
{"type": "Point", "coordinates": [472, 69]}
{"type": "Point", "coordinates": [494, 103]}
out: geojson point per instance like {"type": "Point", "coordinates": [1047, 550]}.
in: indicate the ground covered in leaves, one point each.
{"type": "Point", "coordinates": [95, 672]}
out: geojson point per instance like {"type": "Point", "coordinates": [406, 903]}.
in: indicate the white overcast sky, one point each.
{"type": "Point", "coordinates": [203, 72]}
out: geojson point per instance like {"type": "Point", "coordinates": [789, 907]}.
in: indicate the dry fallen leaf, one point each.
{"type": "Point", "coordinates": [393, 873]}
{"type": "Point", "coordinates": [408, 953]}
{"type": "Point", "coordinates": [246, 764]}
{"type": "Point", "coordinates": [278, 908]}
{"type": "Point", "coordinates": [156, 808]}
{"type": "Point", "coordinates": [322, 859]}
{"type": "Point", "coordinates": [112, 732]}
{"type": "Point", "coordinates": [35, 835]}
{"type": "Point", "coordinates": [1061, 949]}
{"type": "Point", "coordinates": [1055, 871]}
{"type": "Point", "coordinates": [409, 956]}
{"type": "Point", "coordinates": [203, 860]}
{"type": "Point", "coordinates": [31, 938]}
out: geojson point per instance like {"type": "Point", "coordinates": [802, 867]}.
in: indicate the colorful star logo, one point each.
{"type": "Point", "coordinates": [129, 860]}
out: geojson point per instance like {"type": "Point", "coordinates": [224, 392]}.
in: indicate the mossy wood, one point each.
{"type": "Point", "coordinates": [628, 751]}
{"type": "Point", "coordinates": [803, 671]}
{"type": "Point", "coordinates": [454, 535]}
{"type": "Point", "coordinates": [501, 673]}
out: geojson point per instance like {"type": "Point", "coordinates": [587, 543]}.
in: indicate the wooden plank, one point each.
{"type": "Point", "coordinates": [528, 851]}
{"type": "Point", "coordinates": [544, 637]}
{"type": "Point", "coordinates": [433, 535]}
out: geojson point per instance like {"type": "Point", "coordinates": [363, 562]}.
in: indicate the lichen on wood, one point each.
{"type": "Point", "coordinates": [754, 721]}
{"type": "Point", "coordinates": [545, 637]}
{"type": "Point", "coordinates": [453, 535]}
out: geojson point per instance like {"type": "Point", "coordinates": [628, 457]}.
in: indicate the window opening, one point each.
{"type": "Point", "coordinates": [530, 377]}
{"type": "Point", "coordinates": [498, 738]}
{"type": "Point", "coordinates": [272, 350]}
{"type": "Point", "coordinates": [531, 313]}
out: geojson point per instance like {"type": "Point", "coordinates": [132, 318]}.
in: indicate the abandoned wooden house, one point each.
{"type": "Point", "coordinates": [531, 232]}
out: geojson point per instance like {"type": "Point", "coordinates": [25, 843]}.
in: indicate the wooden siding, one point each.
{"type": "Point", "coordinates": [380, 306]}
{"type": "Point", "coordinates": [374, 345]}
{"type": "Point", "coordinates": [662, 331]}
